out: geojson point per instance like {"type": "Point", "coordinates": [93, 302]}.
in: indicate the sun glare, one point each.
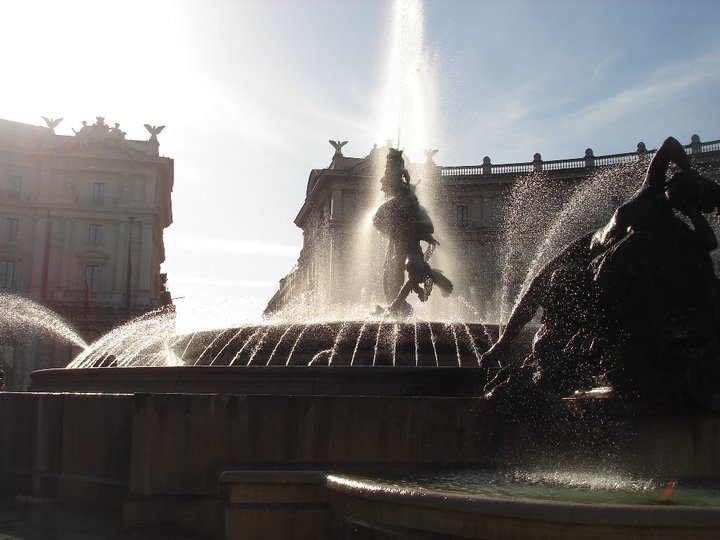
{"type": "Point", "coordinates": [75, 59]}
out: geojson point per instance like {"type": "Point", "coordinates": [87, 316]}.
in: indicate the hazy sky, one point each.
{"type": "Point", "coordinates": [251, 91]}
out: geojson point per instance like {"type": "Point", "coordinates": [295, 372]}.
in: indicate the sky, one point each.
{"type": "Point", "coordinates": [251, 92]}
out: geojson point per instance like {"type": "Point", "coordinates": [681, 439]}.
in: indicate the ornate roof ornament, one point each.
{"type": "Point", "coordinates": [429, 154]}
{"type": "Point", "coordinates": [52, 123]}
{"type": "Point", "coordinates": [337, 145]}
{"type": "Point", "coordinates": [154, 132]}
{"type": "Point", "coordinates": [99, 134]}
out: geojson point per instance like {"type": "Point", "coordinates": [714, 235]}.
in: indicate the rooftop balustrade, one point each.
{"type": "Point", "coordinates": [696, 147]}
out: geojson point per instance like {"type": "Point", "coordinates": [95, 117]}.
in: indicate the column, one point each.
{"type": "Point", "coordinates": [118, 262]}
{"type": "Point", "coordinates": [64, 285]}
{"type": "Point", "coordinates": [336, 206]}
{"type": "Point", "coordinates": [35, 269]}
{"type": "Point", "coordinates": [143, 267]}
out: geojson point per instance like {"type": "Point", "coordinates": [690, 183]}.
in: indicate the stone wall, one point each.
{"type": "Point", "coordinates": [160, 457]}
{"type": "Point", "coordinates": [73, 448]}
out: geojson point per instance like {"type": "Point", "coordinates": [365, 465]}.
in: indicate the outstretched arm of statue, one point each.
{"type": "Point", "coordinates": [703, 231]}
{"type": "Point", "coordinates": [522, 314]}
{"type": "Point", "coordinates": [670, 151]}
{"type": "Point", "coordinates": [576, 254]}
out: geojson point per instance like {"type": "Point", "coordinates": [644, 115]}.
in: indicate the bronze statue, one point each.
{"type": "Point", "coordinates": [637, 302]}
{"type": "Point", "coordinates": [406, 223]}
{"type": "Point", "coordinates": [565, 292]}
{"type": "Point", "coordinates": [650, 209]}
{"type": "Point", "coordinates": [656, 281]}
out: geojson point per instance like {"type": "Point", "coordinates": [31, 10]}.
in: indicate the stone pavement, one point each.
{"type": "Point", "coordinates": [29, 519]}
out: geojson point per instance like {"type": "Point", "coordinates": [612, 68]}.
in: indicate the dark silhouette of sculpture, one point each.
{"type": "Point", "coordinates": [637, 302]}
{"type": "Point", "coordinates": [154, 132]}
{"type": "Point", "coordinates": [99, 134]}
{"type": "Point", "coordinates": [406, 223]}
{"type": "Point", "coordinates": [337, 145]}
{"type": "Point", "coordinates": [656, 281]}
{"type": "Point", "coordinates": [83, 136]}
{"type": "Point", "coordinates": [116, 136]}
{"type": "Point", "coordinates": [565, 292]}
{"type": "Point", "coordinates": [52, 123]}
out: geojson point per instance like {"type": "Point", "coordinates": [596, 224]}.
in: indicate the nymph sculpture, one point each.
{"type": "Point", "coordinates": [406, 224]}
{"type": "Point", "coordinates": [636, 303]}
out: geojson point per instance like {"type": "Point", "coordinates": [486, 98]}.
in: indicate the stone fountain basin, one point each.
{"type": "Point", "coordinates": [158, 455]}
{"type": "Point", "coordinates": [318, 505]}
{"type": "Point", "coordinates": [377, 508]}
{"type": "Point", "coordinates": [345, 343]}
{"type": "Point", "coordinates": [351, 358]}
{"type": "Point", "coordinates": [263, 380]}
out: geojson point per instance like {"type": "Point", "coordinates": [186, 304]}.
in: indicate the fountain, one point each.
{"type": "Point", "coordinates": [259, 408]}
{"type": "Point", "coordinates": [361, 336]}
{"type": "Point", "coordinates": [264, 407]}
{"type": "Point", "coordinates": [306, 428]}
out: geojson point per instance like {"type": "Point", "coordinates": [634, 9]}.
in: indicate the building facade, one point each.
{"type": "Point", "coordinates": [81, 228]}
{"type": "Point", "coordinates": [478, 222]}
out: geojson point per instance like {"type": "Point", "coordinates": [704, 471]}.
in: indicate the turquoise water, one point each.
{"type": "Point", "coordinates": [568, 486]}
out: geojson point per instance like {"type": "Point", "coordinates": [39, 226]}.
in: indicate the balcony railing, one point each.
{"type": "Point", "coordinates": [574, 164]}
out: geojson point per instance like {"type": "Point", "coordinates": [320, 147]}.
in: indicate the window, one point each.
{"type": "Point", "coordinates": [14, 187]}
{"type": "Point", "coordinates": [462, 215]}
{"type": "Point", "coordinates": [98, 193]}
{"type": "Point", "coordinates": [11, 227]}
{"type": "Point", "coordinates": [7, 274]}
{"type": "Point", "coordinates": [92, 278]}
{"type": "Point", "coordinates": [492, 214]}
{"type": "Point", "coordinates": [95, 233]}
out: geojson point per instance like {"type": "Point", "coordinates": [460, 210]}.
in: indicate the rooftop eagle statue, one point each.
{"type": "Point", "coordinates": [52, 123]}
{"type": "Point", "coordinates": [154, 132]}
{"type": "Point", "coordinates": [337, 145]}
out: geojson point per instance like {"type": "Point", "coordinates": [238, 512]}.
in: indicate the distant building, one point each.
{"type": "Point", "coordinates": [470, 210]}
{"type": "Point", "coordinates": [81, 229]}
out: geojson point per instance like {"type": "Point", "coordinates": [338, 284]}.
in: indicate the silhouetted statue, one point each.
{"type": "Point", "coordinates": [337, 145]}
{"type": "Point", "coordinates": [116, 136]}
{"type": "Point", "coordinates": [565, 292]}
{"type": "Point", "coordinates": [99, 131]}
{"type": "Point", "coordinates": [52, 123]}
{"type": "Point", "coordinates": [656, 282]}
{"type": "Point", "coordinates": [154, 132]}
{"type": "Point", "coordinates": [83, 136]}
{"type": "Point", "coordinates": [406, 223]}
{"type": "Point", "coordinates": [637, 302]}
{"type": "Point", "coordinates": [99, 134]}
{"type": "Point", "coordinates": [429, 155]}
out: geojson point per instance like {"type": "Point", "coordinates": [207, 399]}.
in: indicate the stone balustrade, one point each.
{"type": "Point", "coordinates": [488, 168]}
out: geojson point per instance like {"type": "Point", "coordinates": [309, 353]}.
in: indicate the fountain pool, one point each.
{"type": "Point", "coordinates": [589, 486]}
{"type": "Point", "coordinates": [495, 505]}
